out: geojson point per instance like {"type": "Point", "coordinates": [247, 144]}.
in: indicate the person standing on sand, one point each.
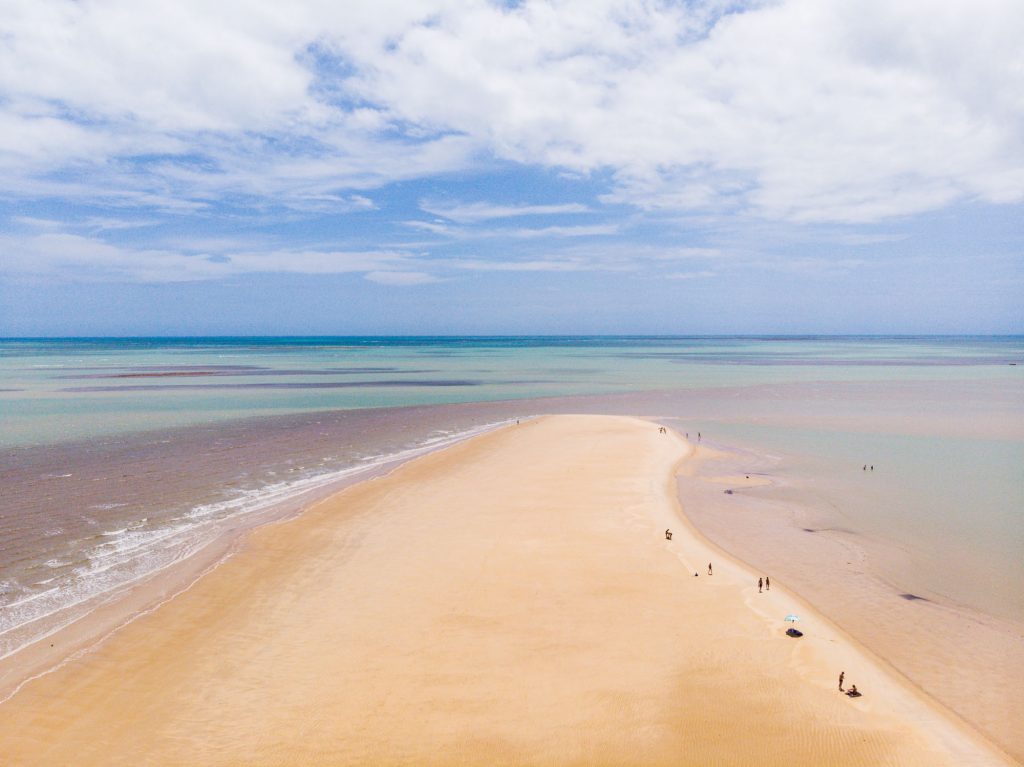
{"type": "Point", "coordinates": [760, 583]}
{"type": "Point", "coordinates": [842, 676]}
{"type": "Point", "coordinates": [767, 584]}
{"type": "Point", "coordinates": [709, 568]}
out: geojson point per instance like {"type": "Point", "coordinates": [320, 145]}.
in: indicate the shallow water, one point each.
{"type": "Point", "coordinates": [950, 509]}
{"type": "Point", "coordinates": [67, 390]}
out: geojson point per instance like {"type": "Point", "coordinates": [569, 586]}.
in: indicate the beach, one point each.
{"type": "Point", "coordinates": [966, 659]}
{"type": "Point", "coordinates": [511, 599]}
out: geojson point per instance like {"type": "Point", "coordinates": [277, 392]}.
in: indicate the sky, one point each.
{"type": "Point", "coordinates": [182, 167]}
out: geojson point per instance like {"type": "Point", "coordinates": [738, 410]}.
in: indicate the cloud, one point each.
{"type": "Point", "coordinates": [600, 230]}
{"type": "Point", "coordinates": [523, 233]}
{"type": "Point", "coordinates": [401, 278]}
{"type": "Point", "coordinates": [539, 265]}
{"type": "Point", "coordinates": [37, 223]}
{"type": "Point", "coordinates": [799, 110]}
{"type": "Point", "coordinates": [76, 257]}
{"type": "Point", "coordinates": [434, 227]}
{"type": "Point", "coordinates": [601, 257]}
{"type": "Point", "coordinates": [468, 213]}
{"type": "Point", "coordinates": [690, 275]}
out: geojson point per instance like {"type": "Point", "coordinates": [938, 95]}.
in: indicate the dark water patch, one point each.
{"type": "Point", "coordinates": [172, 372]}
{"type": "Point", "coordinates": [570, 371]}
{"type": "Point", "coordinates": [158, 368]}
{"type": "Point", "coordinates": [306, 385]}
{"type": "Point", "coordinates": [3, 390]}
{"type": "Point", "coordinates": [914, 598]}
{"type": "Point", "coordinates": [844, 530]}
{"type": "Point", "coordinates": [165, 374]}
{"type": "Point", "coordinates": [915, 362]}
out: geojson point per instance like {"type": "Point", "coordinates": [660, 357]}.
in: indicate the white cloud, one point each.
{"type": "Point", "coordinates": [75, 257]}
{"type": "Point", "coordinates": [801, 110]}
{"type": "Point", "coordinates": [599, 230]}
{"type": "Point", "coordinates": [434, 227]}
{"type": "Point", "coordinates": [401, 278]}
{"type": "Point", "coordinates": [704, 273]}
{"type": "Point", "coordinates": [38, 223]}
{"type": "Point", "coordinates": [467, 213]}
{"type": "Point", "coordinates": [537, 265]}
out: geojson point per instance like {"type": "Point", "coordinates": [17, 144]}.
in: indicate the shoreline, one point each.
{"type": "Point", "coordinates": [687, 547]}
{"type": "Point", "coordinates": [108, 612]}
{"type": "Point", "coordinates": [971, 687]}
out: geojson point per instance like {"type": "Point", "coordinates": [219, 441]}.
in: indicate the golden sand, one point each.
{"type": "Point", "coordinates": [510, 600]}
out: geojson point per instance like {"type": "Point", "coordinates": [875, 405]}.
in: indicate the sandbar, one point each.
{"type": "Point", "coordinates": [508, 600]}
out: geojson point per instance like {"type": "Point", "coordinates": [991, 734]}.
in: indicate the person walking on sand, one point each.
{"type": "Point", "coordinates": [842, 676]}
{"type": "Point", "coordinates": [760, 583]}
{"type": "Point", "coordinates": [709, 568]}
{"type": "Point", "coordinates": [767, 584]}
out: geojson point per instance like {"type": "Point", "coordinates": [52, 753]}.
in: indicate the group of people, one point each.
{"type": "Point", "coordinates": [663, 430]}
{"type": "Point", "coordinates": [765, 584]}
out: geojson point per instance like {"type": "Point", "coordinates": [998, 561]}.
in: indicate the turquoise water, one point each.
{"type": "Point", "coordinates": [949, 509]}
{"type": "Point", "coordinates": [73, 389]}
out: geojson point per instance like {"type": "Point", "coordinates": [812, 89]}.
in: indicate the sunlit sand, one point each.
{"type": "Point", "coordinates": [509, 600]}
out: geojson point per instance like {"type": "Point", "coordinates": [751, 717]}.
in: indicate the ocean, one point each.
{"type": "Point", "coordinates": [121, 457]}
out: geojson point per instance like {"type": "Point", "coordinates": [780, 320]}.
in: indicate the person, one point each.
{"type": "Point", "coordinates": [760, 584]}
{"type": "Point", "coordinates": [668, 534]}
{"type": "Point", "coordinates": [842, 676]}
{"type": "Point", "coordinates": [698, 436]}
{"type": "Point", "coordinates": [767, 584]}
{"type": "Point", "coordinates": [853, 692]}
{"type": "Point", "coordinates": [709, 568]}
{"type": "Point", "coordinates": [872, 467]}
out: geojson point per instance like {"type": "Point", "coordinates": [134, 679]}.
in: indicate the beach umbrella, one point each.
{"type": "Point", "coordinates": [792, 631]}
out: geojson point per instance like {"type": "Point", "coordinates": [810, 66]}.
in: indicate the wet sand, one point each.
{"type": "Point", "coordinates": [508, 600]}
{"type": "Point", "coordinates": [970, 662]}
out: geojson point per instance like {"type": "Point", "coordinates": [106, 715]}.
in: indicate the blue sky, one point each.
{"type": "Point", "coordinates": [475, 167]}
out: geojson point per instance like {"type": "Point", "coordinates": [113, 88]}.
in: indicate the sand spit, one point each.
{"type": "Point", "coordinates": [509, 600]}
